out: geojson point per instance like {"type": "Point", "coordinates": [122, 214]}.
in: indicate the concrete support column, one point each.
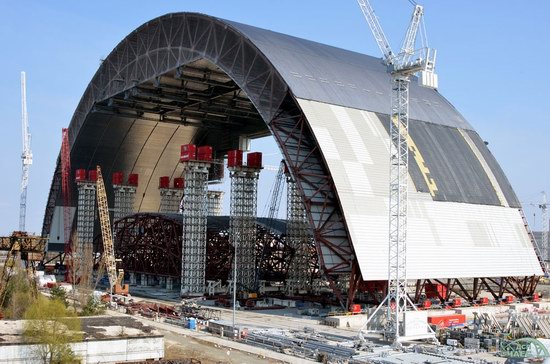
{"type": "Point", "coordinates": [133, 279]}
{"type": "Point", "coordinates": [162, 281]}
{"type": "Point", "coordinates": [169, 283]}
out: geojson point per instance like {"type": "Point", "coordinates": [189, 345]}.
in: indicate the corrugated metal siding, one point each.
{"type": "Point", "coordinates": [505, 185]}
{"type": "Point", "coordinates": [315, 71]}
{"type": "Point", "coordinates": [446, 239]}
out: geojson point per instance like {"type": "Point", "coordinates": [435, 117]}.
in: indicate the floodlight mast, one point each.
{"type": "Point", "coordinates": [401, 67]}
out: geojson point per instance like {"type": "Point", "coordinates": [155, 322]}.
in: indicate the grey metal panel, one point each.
{"type": "Point", "coordinates": [445, 239]}
{"type": "Point", "coordinates": [453, 166]}
{"type": "Point", "coordinates": [505, 185]}
{"type": "Point", "coordinates": [319, 72]}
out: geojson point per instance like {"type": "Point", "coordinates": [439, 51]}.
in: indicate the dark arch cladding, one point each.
{"type": "Point", "coordinates": [168, 42]}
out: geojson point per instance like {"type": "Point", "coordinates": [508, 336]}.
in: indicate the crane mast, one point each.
{"type": "Point", "coordinates": [26, 156]}
{"type": "Point", "coordinates": [544, 241]}
{"type": "Point", "coordinates": [107, 237]}
{"type": "Point", "coordinates": [401, 68]}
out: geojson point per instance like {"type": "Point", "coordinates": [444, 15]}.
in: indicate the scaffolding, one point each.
{"type": "Point", "coordinates": [170, 199]}
{"type": "Point", "coordinates": [85, 230]}
{"type": "Point", "coordinates": [242, 223]}
{"type": "Point", "coordinates": [298, 237]}
{"type": "Point", "coordinates": [215, 201]}
{"type": "Point", "coordinates": [125, 195]}
{"type": "Point", "coordinates": [194, 227]}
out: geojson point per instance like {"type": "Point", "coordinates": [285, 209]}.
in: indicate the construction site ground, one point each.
{"type": "Point", "coordinates": [184, 343]}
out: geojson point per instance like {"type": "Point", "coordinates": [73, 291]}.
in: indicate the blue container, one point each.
{"type": "Point", "coordinates": [192, 324]}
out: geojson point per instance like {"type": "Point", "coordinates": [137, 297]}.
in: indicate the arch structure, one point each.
{"type": "Point", "coordinates": [192, 78]}
{"type": "Point", "coordinates": [150, 243]}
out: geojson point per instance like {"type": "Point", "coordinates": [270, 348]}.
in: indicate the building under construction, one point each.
{"type": "Point", "coordinates": [185, 92]}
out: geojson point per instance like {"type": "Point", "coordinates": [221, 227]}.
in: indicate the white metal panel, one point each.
{"type": "Point", "coordinates": [445, 239]}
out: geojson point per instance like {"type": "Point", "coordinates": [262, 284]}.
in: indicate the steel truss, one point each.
{"type": "Point", "coordinates": [194, 227]}
{"type": "Point", "coordinates": [314, 183]}
{"type": "Point", "coordinates": [20, 248]}
{"type": "Point", "coordinates": [85, 220]}
{"type": "Point", "coordinates": [242, 224]}
{"type": "Point", "coordinates": [215, 201]}
{"type": "Point", "coordinates": [124, 201]}
{"type": "Point", "coordinates": [170, 199]}
{"type": "Point", "coordinates": [299, 277]}
{"type": "Point", "coordinates": [151, 244]}
{"type": "Point", "coordinates": [470, 289]}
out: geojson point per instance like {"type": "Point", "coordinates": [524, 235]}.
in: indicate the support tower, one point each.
{"type": "Point", "coordinates": [85, 218]}
{"type": "Point", "coordinates": [170, 198]}
{"type": "Point", "coordinates": [242, 220]}
{"type": "Point", "coordinates": [298, 237]}
{"type": "Point", "coordinates": [195, 174]}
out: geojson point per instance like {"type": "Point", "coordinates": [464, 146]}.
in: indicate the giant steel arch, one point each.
{"type": "Point", "coordinates": [171, 42]}
{"type": "Point", "coordinates": [189, 77]}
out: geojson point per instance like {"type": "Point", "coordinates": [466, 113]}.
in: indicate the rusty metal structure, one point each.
{"type": "Point", "coordinates": [151, 244]}
{"type": "Point", "coordinates": [21, 250]}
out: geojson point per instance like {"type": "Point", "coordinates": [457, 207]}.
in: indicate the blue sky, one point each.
{"type": "Point", "coordinates": [491, 66]}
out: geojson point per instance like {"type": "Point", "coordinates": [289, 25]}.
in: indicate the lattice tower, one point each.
{"type": "Point", "coordinates": [85, 230]}
{"type": "Point", "coordinates": [193, 262]}
{"type": "Point", "coordinates": [298, 237]}
{"type": "Point", "coordinates": [215, 201]}
{"type": "Point", "coordinates": [242, 223]}
{"type": "Point", "coordinates": [124, 201]}
{"type": "Point", "coordinates": [170, 199]}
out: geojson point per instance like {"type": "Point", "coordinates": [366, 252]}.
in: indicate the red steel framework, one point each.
{"type": "Point", "coordinates": [66, 190]}
{"type": "Point", "coordinates": [151, 243]}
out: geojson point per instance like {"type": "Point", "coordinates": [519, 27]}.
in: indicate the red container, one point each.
{"type": "Point", "coordinates": [133, 179]}
{"type": "Point", "coordinates": [457, 302]}
{"type": "Point", "coordinates": [254, 160]}
{"type": "Point", "coordinates": [435, 290]}
{"type": "Point", "coordinates": [164, 182]}
{"type": "Point", "coordinates": [484, 301]}
{"type": "Point", "coordinates": [117, 178]}
{"type": "Point", "coordinates": [509, 299]}
{"type": "Point", "coordinates": [536, 297]}
{"type": "Point", "coordinates": [427, 304]}
{"type": "Point", "coordinates": [80, 175]}
{"type": "Point", "coordinates": [92, 175]}
{"type": "Point", "coordinates": [355, 308]}
{"type": "Point", "coordinates": [178, 183]}
{"type": "Point", "coordinates": [447, 320]}
{"type": "Point", "coordinates": [188, 152]}
{"type": "Point", "coordinates": [204, 153]}
{"type": "Point", "coordinates": [235, 158]}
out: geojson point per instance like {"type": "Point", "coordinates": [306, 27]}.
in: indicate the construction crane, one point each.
{"type": "Point", "coordinates": [544, 239]}
{"type": "Point", "coordinates": [115, 279]}
{"type": "Point", "coordinates": [401, 67]}
{"type": "Point", "coordinates": [26, 156]}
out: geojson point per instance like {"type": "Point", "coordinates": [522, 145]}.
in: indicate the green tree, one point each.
{"type": "Point", "coordinates": [52, 327]}
{"type": "Point", "coordinates": [58, 293]}
{"type": "Point", "coordinates": [93, 307]}
{"type": "Point", "coordinates": [19, 296]}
